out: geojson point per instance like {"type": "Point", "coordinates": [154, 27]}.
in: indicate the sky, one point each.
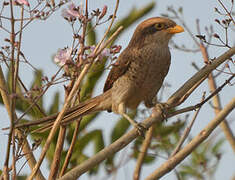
{"type": "Point", "coordinates": [42, 39]}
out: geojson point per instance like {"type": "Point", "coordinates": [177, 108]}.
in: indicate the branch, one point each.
{"type": "Point", "coordinates": [71, 147]}
{"type": "Point", "coordinates": [205, 71]}
{"type": "Point", "coordinates": [57, 156]}
{"type": "Point", "coordinates": [217, 103]}
{"type": "Point", "coordinates": [142, 153]}
{"type": "Point", "coordinates": [181, 155]}
{"type": "Point", "coordinates": [26, 148]}
{"type": "Point", "coordinates": [187, 130]}
{"type": "Point", "coordinates": [228, 13]}
{"type": "Point", "coordinates": [13, 99]}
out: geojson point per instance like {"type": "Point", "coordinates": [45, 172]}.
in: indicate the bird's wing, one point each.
{"type": "Point", "coordinates": [119, 68]}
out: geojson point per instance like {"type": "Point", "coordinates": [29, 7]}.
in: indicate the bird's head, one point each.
{"type": "Point", "coordinates": [156, 30]}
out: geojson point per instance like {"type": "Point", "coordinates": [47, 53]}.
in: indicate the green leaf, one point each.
{"type": "Point", "coordinates": [86, 120]}
{"type": "Point", "coordinates": [22, 177]}
{"type": "Point", "coordinates": [91, 36]}
{"type": "Point", "coordinates": [9, 82]}
{"type": "Point", "coordinates": [188, 171]}
{"type": "Point", "coordinates": [79, 154]}
{"type": "Point", "coordinates": [121, 127]}
{"type": "Point", "coordinates": [217, 146]}
{"type": "Point", "coordinates": [55, 104]}
{"type": "Point", "coordinates": [95, 136]}
{"type": "Point", "coordinates": [37, 82]}
{"type": "Point", "coordinates": [92, 77]}
{"type": "Point", "coordinates": [147, 159]}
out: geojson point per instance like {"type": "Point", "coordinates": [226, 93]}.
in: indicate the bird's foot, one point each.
{"type": "Point", "coordinates": [139, 126]}
{"type": "Point", "coordinates": [141, 129]}
{"type": "Point", "coordinates": [163, 107]}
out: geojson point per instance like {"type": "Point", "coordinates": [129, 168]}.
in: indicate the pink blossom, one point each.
{"type": "Point", "coordinates": [105, 53]}
{"type": "Point", "coordinates": [62, 56]}
{"type": "Point", "coordinates": [104, 11]}
{"type": "Point", "coordinates": [73, 12]}
{"type": "Point", "coordinates": [22, 2]}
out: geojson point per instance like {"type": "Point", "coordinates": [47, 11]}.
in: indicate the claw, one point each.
{"type": "Point", "coordinates": [141, 129]}
{"type": "Point", "coordinates": [163, 107]}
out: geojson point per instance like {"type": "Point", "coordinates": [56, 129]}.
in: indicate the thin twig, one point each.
{"type": "Point", "coordinates": [108, 30]}
{"type": "Point", "coordinates": [57, 156]}
{"type": "Point", "coordinates": [184, 24]}
{"type": "Point", "coordinates": [190, 91]}
{"type": "Point", "coordinates": [187, 130]}
{"type": "Point", "coordinates": [18, 49]}
{"type": "Point", "coordinates": [228, 13]}
{"type": "Point", "coordinates": [12, 102]}
{"type": "Point", "coordinates": [190, 108]}
{"type": "Point", "coordinates": [142, 153]}
{"type": "Point", "coordinates": [14, 159]}
{"type": "Point", "coordinates": [15, 77]}
{"type": "Point", "coordinates": [30, 99]}
{"type": "Point", "coordinates": [70, 151]}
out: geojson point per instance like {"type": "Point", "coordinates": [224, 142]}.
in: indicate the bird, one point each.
{"type": "Point", "coordinates": [137, 75]}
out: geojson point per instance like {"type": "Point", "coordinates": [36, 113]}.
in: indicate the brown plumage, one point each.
{"type": "Point", "coordinates": [138, 73]}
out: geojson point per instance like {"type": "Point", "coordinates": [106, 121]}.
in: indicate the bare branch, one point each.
{"type": "Point", "coordinates": [69, 153]}
{"type": "Point", "coordinates": [186, 131]}
{"type": "Point", "coordinates": [142, 153]}
{"type": "Point", "coordinates": [181, 155]}
{"type": "Point", "coordinates": [57, 156]}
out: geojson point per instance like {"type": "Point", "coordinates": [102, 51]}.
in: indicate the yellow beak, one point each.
{"type": "Point", "coordinates": [175, 29]}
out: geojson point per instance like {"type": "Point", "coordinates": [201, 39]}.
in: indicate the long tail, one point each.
{"type": "Point", "coordinates": [98, 103]}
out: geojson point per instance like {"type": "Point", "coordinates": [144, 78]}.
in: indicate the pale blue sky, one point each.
{"type": "Point", "coordinates": [42, 39]}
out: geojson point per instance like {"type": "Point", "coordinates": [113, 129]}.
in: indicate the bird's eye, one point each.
{"type": "Point", "coordinates": [159, 26]}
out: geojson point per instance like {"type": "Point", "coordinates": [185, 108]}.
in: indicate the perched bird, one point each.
{"type": "Point", "coordinates": [137, 75]}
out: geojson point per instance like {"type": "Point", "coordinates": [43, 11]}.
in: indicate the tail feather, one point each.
{"type": "Point", "coordinates": [98, 103]}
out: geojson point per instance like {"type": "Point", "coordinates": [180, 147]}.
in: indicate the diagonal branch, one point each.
{"type": "Point", "coordinates": [142, 153]}
{"type": "Point", "coordinates": [181, 155]}
{"type": "Point", "coordinates": [57, 155]}
{"type": "Point", "coordinates": [70, 150]}
{"type": "Point", "coordinates": [205, 71]}
{"type": "Point", "coordinates": [187, 130]}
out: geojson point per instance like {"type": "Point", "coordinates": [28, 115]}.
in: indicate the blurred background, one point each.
{"type": "Point", "coordinates": [42, 39]}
